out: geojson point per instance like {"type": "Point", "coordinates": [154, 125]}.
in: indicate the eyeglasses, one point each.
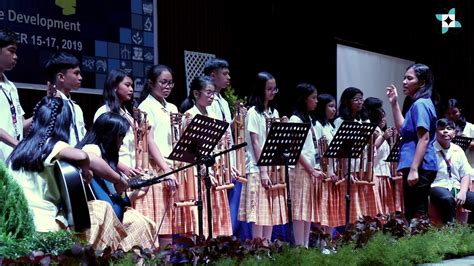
{"type": "Point", "coordinates": [208, 93]}
{"type": "Point", "coordinates": [275, 90]}
{"type": "Point", "coordinates": [166, 83]}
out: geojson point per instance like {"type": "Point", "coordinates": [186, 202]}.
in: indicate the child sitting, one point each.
{"type": "Point", "coordinates": [450, 188]}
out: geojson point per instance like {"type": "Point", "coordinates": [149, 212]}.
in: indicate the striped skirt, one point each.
{"type": "Point", "coordinates": [106, 229]}
{"type": "Point", "coordinates": [305, 196]}
{"type": "Point", "coordinates": [255, 202]}
{"type": "Point", "coordinates": [157, 205]}
{"type": "Point", "coordinates": [220, 211]}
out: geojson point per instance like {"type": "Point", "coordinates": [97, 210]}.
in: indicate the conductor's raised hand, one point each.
{"type": "Point", "coordinates": [392, 94]}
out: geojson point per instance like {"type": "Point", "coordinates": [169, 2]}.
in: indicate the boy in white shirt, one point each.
{"type": "Point", "coordinates": [450, 189]}
{"type": "Point", "coordinates": [12, 122]}
{"type": "Point", "coordinates": [65, 75]}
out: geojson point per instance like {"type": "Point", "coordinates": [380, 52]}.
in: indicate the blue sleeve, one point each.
{"type": "Point", "coordinates": [421, 115]}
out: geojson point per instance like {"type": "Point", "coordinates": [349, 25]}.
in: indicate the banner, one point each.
{"type": "Point", "coordinates": [102, 34]}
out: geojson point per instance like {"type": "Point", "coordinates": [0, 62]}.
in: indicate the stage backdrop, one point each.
{"type": "Point", "coordinates": [103, 34]}
{"type": "Point", "coordinates": [371, 73]}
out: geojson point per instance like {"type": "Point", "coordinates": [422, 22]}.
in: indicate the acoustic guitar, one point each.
{"type": "Point", "coordinates": [73, 195]}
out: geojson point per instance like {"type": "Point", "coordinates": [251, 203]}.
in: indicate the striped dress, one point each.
{"type": "Point", "coordinates": [158, 203]}
{"type": "Point", "coordinates": [220, 211]}
{"type": "Point", "coordinates": [306, 197]}
{"type": "Point", "coordinates": [257, 204]}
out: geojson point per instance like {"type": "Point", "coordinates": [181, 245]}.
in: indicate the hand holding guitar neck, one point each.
{"type": "Point", "coordinates": [121, 185]}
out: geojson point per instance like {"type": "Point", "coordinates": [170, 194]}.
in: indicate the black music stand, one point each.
{"type": "Point", "coordinates": [349, 142]}
{"type": "Point", "coordinates": [394, 156]}
{"type": "Point", "coordinates": [196, 144]}
{"type": "Point", "coordinates": [463, 142]}
{"type": "Point", "coordinates": [283, 147]}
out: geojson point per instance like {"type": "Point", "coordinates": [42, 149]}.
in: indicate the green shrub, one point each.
{"type": "Point", "coordinates": [13, 248]}
{"type": "Point", "coordinates": [53, 243]}
{"type": "Point", "coordinates": [230, 95]}
{"type": "Point", "coordinates": [17, 230]}
{"type": "Point", "coordinates": [431, 246]}
{"type": "Point", "coordinates": [15, 218]}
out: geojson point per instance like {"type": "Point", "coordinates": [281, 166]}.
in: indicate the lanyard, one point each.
{"type": "Point", "coordinates": [12, 106]}
{"type": "Point", "coordinates": [448, 164]}
{"type": "Point", "coordinates": [76, 132]}
{"type": "Point", "coordinates": [12, 111]}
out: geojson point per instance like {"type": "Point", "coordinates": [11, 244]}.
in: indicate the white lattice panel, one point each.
{"type": "Point", "coordinates": [194, 65]}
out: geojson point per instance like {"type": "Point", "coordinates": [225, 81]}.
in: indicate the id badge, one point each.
{"type": "Point", "coordinates": [13, 111]}
{"type": "Point", "coordinates": [455, 192]}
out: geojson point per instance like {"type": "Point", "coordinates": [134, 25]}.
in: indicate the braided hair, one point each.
{"type": "Point", "coordinates": [51, 123]}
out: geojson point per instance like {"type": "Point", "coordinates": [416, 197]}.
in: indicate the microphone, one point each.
{"type": "Point", "coordinates": [136, 183]}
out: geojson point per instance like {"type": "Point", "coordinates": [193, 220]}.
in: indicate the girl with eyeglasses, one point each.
{"type": "Point", "coordinates": [259, 205]}
{"type": "Point", "coordinates": [363, 197]}
{"type": "Point", "coordinates": [201, 96]}
{"type": "Point", "coordinates": [158, 202]}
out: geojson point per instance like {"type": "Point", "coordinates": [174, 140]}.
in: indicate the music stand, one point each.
{"type": "Point", "coordinates": [283, 147]}
{"type": "Point", "coordinates": [463, 142]}
{"type": "Point", "coordinates": [394, 154]}
{"type": "Point", "coordinates": [196, 144]}
{"type": "Point", "coordinates": [393, 157]}
{"type": "Point", "coordinates": [349, 142]}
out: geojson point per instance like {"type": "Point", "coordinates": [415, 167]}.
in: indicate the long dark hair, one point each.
{"type": "Point", "coordinates": [111, 99]}
{"type": "Point", "coordinates": [423, 72]}
{"type": "Point", "coordinates": [105, 131]}
{"type": "Point", "coordinates": [198, 84]}
{"type": "Point", "coordinates": [152, 75]}
{"type": "Point", "coordinates": [344, 105]}
{"type": "Point", "coordinates": [374, 110]}
{"type": "Point", "coordinates": [258, 95]}
{"type": "Point", "coordinates": [320, 112]}
{"type": "Point", "coordinates": [303, 91]}
{"type": "Point", "coordinates": [51, 123]}
{"type": "Point", "coordinates": [461, 122]}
